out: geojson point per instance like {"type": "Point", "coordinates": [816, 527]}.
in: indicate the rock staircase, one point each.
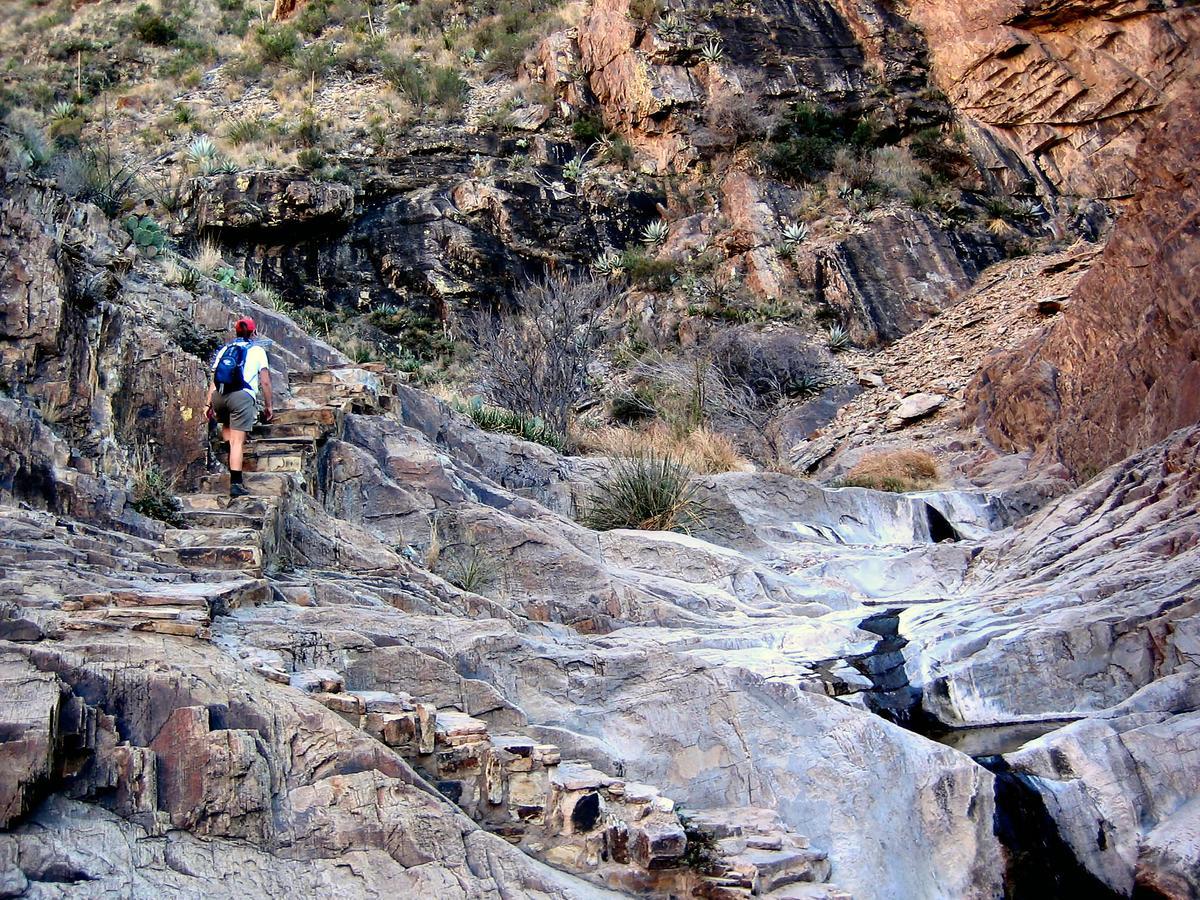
{"type": "Point", "coordinates": [575, 817]}
{"type": "Point", "coordinates": [229, 544]}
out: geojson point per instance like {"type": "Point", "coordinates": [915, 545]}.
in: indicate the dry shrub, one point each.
{"type": "Point", "coordinates": [895, 470]}
{"type": "Point", "coordinates": [736, 115]}
{"type": "Point", "coordinates": [703, 450]}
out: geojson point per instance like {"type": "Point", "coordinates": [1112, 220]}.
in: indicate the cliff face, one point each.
{"type": "Point", "coordinates": [1121, 368]}
{"type": "Point", "coordinates": [1061, 92]}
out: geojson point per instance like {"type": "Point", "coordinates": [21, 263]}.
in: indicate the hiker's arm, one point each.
{"type": "Point", "coordinates": [264, 382]}
{"type": "Point", "coordinates": [208, 409]}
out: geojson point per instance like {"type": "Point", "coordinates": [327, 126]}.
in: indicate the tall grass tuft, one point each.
{"type": "Point", "coordinates": [647, 491]}
{"type": "Point", "coordinates": [895, 470]}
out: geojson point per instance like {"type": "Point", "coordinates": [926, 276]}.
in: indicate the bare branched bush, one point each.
{"type": "Point", "coordinates": [534, 358]}
{"type": "Point", "coordinates": [736, 115]}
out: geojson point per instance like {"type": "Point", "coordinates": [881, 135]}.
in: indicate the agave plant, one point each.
{"type": "Point", "coordinates": [608, 263]}
{"type": "Point", "coordinates": [670, 28]}
{"type": "Point", "coordinates": [837, 338]}
{"type": "Point", "coordinates": [713, 51]}
{"type": "Point", "coordinates": [201, 149]}
{"type": "Point", "coordinates": [574, 169]}
{"type": "Point", "coordinates": [655, 233]}
{"type": "Point", "coordinates": [62, 111]}
{"type": "Point", "coordinates": [218, 165]}
{"type": "Point", "coordinates": [794, 235]}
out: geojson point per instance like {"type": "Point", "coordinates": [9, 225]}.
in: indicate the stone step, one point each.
{"type": "Point", "coordinates": [765, 870]}
{"type": "Point", "coordinates": [202, 519]}
{"type": "Point", "coordinates": [288, 463]}
{"type": "Point", "coordinates": [254, 507]}
{"type": "Point", "coordinates": [303, 417]}
{"type": "Point", "coordinates": [454, 727]}
{"type": "Point", "coordinates": [268, 445]}
{"type": "Point", "coordinates": [108, 619]}
{"type": "Point", "coordinates": [210, 537]}
{"type": "Point", "coordinates": [267, 484]}
{"type": "Point", "coordinates": [808, 892]}
{"type": "Point", "coordinates": [212, 598]}
{"type": "Point", "coordinates": [246, 558]}
{"type": "Point", "coordinates": [307, 430]}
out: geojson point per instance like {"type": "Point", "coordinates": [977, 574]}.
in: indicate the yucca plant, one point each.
{"type": "Point", "coordinates": [713, 51]}
{"type": "Point", "coordinates": [837, 338]}
{"type": "Point", "coordinates": [655, 233]}
{"type": "Point", "coordinates": [183, 114]}
{"type": "Point", "coordinates": [647, 491]}
{"type": "Point", "coordinates": [472, 573]}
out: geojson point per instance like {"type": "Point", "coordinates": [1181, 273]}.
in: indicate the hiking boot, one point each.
{"type": "Point", "coordinates": [238, 490]}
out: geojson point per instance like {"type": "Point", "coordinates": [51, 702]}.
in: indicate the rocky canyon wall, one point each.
{"type": "Point", "coordinates": [1121, 368]}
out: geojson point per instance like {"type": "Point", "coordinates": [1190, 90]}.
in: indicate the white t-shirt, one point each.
{"type": "Point", "coordinates": [255, 362]}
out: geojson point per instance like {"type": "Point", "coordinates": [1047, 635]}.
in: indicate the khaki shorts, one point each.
{"type": "Point", "coordinates": [238, 410]}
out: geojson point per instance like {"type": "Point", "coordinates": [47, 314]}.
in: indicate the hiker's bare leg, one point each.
{"type": "Point", "coordinates": [237, 440]}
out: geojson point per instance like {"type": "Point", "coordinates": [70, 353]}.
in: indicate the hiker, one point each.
{"type": "Point", "coordinates": [240, 378]}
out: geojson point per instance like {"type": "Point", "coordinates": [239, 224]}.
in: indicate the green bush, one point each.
{"type": "Point", "coordinates": [152, 27]}
{"type": "Point", "coordinates": [647, 271]}
{"type": "Point", "coordinates": [802, 146]}
{"type": "Point", "coordinates": [314, 61]}
{"type": "Point", "coordinates": [648, 491]}
{"type": "Point", "coordinates": [276, 43]}
{"type": "Point", "coordinates": [588, 130]}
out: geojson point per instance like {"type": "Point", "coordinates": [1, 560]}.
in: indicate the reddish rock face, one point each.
{"type": "Point", "coordinates": [1120, 368]}
{"type": "Point", "coordinates": [1063, 89]}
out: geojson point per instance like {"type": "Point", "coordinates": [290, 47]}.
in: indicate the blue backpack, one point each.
{"type": "Point", "coordinates": [228, 374]}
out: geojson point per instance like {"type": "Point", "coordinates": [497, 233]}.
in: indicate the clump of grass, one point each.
{"type": "Point", "coordinates": [505, 421]}
{"type": "Point", "coordinates": [472, 572]}
{"type": "Point", "coordinates": [245, 130]}
{"type": "Point", "coordinates": [648, 491]}
{"type": "Point", "coordinates": [895, 470]}
{"type": "Point", "coordinates": [208, 260]}
{"type": "Point", "coordinates": [154, 495]}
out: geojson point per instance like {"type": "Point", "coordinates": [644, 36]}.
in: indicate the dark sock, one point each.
{"type": "Point", "coordinates": [235, 477]}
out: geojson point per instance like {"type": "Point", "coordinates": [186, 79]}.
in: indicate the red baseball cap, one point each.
{"type": "Point", "coordinates": [244, 324]}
